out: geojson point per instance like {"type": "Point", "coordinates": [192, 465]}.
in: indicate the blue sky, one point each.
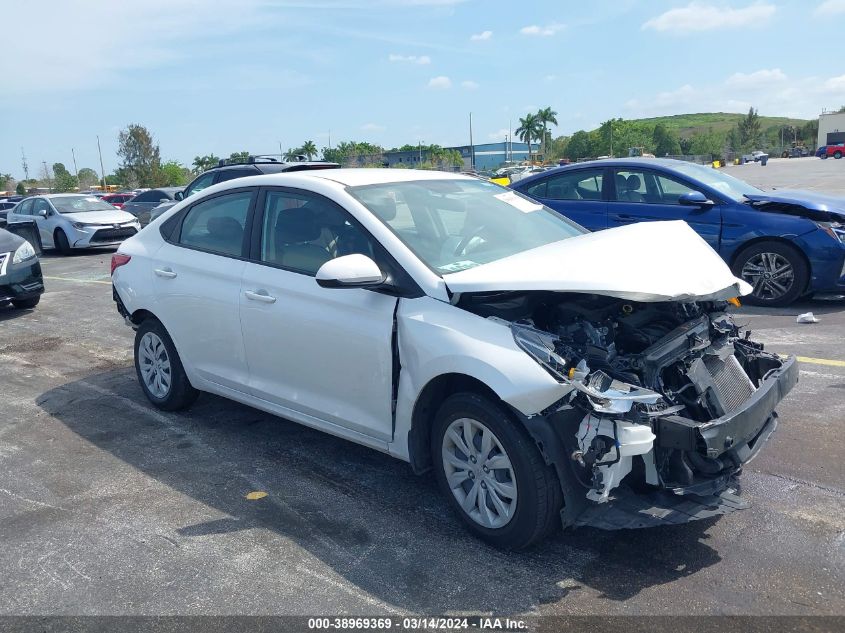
{"type": "Point", "coordinates": [221, 76]}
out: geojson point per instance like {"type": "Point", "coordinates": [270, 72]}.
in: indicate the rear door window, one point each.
{"type": "Point", "coordinates": [217, 224]}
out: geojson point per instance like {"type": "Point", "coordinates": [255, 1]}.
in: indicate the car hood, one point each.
{"type": "Point", "coordinates": [9, 241]}
{"type": "Point", "coordinates": [649, 261]}
{"type": "Point", "coordinates": [100, 217]}
{"type": "Point", "coordinates": [815, 206]}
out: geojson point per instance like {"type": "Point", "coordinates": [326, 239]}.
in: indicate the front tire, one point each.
{"type": "Point", "coordinates": [777, 272]}
{"type": "Point", "coordinates": [837, 154]}
{"type": "Point", "coordinates": [160, 371]}
{"type": "Point", "coordinates": [26, 304]}
{"type": "Point", "coordinates": [493, 474]}
{"type": "Point", "coordinates": [62, 243]}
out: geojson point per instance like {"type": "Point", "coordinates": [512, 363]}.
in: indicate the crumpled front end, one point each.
{"type": "Point", "coordinates": [667, 401]}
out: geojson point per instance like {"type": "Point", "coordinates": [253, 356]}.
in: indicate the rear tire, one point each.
{"type": "Point", "coordinates": [777, 271]}
{"type": "Point", "coordinates": [61, 242]}
{"type": "Point", "coordinates": [26, 304]}
{"type": "Point", "coordinates": [837, 154]}
{"type": "Point", "coordinates": [513, 497]}
{"type": "Point", "coordinates": [159, 368]}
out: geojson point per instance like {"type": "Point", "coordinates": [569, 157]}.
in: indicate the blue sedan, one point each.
{"type": "Point", "coordinates": [786, 244]}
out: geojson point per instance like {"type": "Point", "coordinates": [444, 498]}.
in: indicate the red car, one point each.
{"type": "Point", "coordinates": [837, 151]}
{"type": "Point", "coordinates": [117, 199]}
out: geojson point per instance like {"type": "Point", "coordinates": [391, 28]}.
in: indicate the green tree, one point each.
{"type": "Point", "coordinates": [238, 157]}
{"type": "Point", "coordinates": [309, 149]}
{"type": "Point", "coordinates": [20, 189]}
{"type": "Point", "coordinates": [529, 130]}
{"type": "Point", "coordinates": [292, 154]}
{"type": "Point", "coordinates": [665, 141]}
{"type": "Point", "coordinates": [87, 177]}
{"type": "Point", "coordinates": [174, 173]}
{"type": "Point", "coordinates": [708, 143]}
{"type": "Point", "coordinates": [204, 163]}
{"type": "Point", "coordinates": [63, 180]}
{"type": "Point", "coordinates": [354, 153]}
{"type": "Point", "coordinates": [749, 130]}
{"type": "Point", "coordinates": [579, 146]}
{"type": "Point", "coordinates": [140, 156]}
{"type": "Point", "coordinates": [5, 181]}
{"type": "Point", "coordinates": [546, 116]}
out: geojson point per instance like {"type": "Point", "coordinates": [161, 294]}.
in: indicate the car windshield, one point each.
{"type": "Point", "coordinates": [733, 188]}
{"type": "Point", "coordinates": [80, 204]}
{"type": "Point", "coordinates": [453, 225]}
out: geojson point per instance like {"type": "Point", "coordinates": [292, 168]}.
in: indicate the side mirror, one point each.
{"type": "Point", "coordinates": [42, 213]}
{"type": "Point", "coordinates": [694, 199]}
{"type": "Point", "coordinates": [350, 271]}
{"type": "Point", "coordinates": [164, 200]}
{"type": "Point", "coordinates": [179, 195]}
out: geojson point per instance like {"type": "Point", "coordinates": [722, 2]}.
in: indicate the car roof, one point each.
{"type": "Point", "coordinates": [670, 164]}
{"type": "Point", "coordinates": [356, 177]}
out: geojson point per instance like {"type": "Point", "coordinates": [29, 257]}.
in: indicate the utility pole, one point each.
{"type": "Point", "coordinates": [102, 169]}
{"type": "Point", "coordinates": [419, 159]}
{"type": "Point", "coordinates": [510, 140]}
{"type": "Point", "coordinates": [47, 176]}
{"type": "Point", "coordinates": [24, 165]}
{"type": "Point", "coordinates": [281, 153]}
{"type": "Point", "coordinates": [330, 138]}
{"type": "Point", "coordinates": [75, 169]}
{"type": "Point", "coordinates": [471, 146]}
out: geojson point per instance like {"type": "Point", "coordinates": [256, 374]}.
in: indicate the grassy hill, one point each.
{"type": "Point", "coordinates": [688, 124]}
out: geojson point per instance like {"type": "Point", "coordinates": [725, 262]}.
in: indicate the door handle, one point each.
{"type": "Point", "coordinates": [260, 295]}
{"type": "Point", "coordinates": [165, 272]}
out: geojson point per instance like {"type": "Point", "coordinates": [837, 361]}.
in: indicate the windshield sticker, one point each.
{"type": "Point", "coordinates": [518, 202]}
{"type": "Point", "coordinates": [458, 266]}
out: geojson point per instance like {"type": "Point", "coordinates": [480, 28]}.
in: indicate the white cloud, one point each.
{"type": "Point", "coordinates": [769, 91]}
{"type": "Point", "coordinates": [542, 31]}
{"type": "Point", "coordinates": [479, 37]}
{"type": "Point", "coordinates": [422, 60]}
{"type": "Point", "coordinates": [830, 7]}
{"type": "Point", "coordinates": [755, 79]}
{"type": "Point", "coordinates": [440, 83]}
{"type": "Point", "coordinates": [549, 78]}
{"type": "Point", "coordinates": [372, 127]}
{"type": "Point", "coordinates": [469, 85]}
{"type": "Point", "coordinates": [705, 17]}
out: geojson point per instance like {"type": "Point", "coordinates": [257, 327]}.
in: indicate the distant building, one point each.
{"type": "Point", "coordinates": [831, 128]}
{"type": "Point", "coordinates": [492, 155]}
{"type": "Point", "coordinates": [487, 155]}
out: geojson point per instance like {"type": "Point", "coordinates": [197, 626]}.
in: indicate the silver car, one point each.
{"type": "Point", "coordinates": [67, 221]}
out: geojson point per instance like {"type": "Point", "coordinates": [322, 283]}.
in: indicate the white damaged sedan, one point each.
{"type": "Point", "coordinates": [547, 376]}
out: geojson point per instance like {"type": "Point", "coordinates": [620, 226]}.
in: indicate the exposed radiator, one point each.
{"type": "Point", "coordinates": [730, 382]}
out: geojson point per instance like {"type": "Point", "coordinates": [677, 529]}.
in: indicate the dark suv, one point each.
{"type": "Point", "coordinates": [254, 166]}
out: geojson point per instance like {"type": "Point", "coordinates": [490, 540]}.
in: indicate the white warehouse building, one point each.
{"type": "Point", "coordinates": [831, 128]}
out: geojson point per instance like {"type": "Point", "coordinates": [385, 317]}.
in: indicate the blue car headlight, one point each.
{"type": "Point", "coordinates": [834, 229]}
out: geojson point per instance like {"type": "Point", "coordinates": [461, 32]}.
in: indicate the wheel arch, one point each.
{"type": "Point", "coordinates": [428, 402]}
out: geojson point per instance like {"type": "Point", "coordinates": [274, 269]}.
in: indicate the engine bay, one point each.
{"type": "Point", "coordinates": [658, 389]}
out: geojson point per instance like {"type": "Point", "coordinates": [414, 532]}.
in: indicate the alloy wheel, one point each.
{"type": "Point", "coordinates": [479, 473]}
{"type": "Point", "coordinates": [771, 274]}
{"type": "Point", "coordinates": [154, 364]}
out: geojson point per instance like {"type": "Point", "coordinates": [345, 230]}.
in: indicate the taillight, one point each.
{"type": "Point", "coordinates": [118, 260]}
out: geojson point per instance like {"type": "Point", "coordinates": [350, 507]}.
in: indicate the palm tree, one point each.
{"type": "Point", "coordinates": [546, 116]}
{"type": "Point", "coordinates": [309, 149]}
{"type": "Point", "coordinates": [291, 154]}
{"type": "Point", "coordinates": [528, 130]}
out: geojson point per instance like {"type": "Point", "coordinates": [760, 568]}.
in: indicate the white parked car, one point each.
{"type": "Point", "coordinates": [67, 221]}
{"type": "Point", "coordinates": [546, 375]}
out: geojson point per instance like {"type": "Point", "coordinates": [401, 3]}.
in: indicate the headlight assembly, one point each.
{"type": "Point", "coordinates": [541, 347]}
{"type": "Point", "coordinates": [24, 252]}
{"type": "Point", "coordinates": [834, 229]}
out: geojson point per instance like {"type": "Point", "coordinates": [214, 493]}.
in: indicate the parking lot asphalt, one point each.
{"type": "Point", "coordinates": [108, 506]}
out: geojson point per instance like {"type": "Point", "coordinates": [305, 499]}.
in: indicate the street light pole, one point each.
{"type": "Point", "coordinates": [102, 169]}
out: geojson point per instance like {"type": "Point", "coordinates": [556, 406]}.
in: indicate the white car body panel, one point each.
{"type": "Point", "coordinates": [649, 261]}
{"type": "Point", "coordinates": [324, 352]}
